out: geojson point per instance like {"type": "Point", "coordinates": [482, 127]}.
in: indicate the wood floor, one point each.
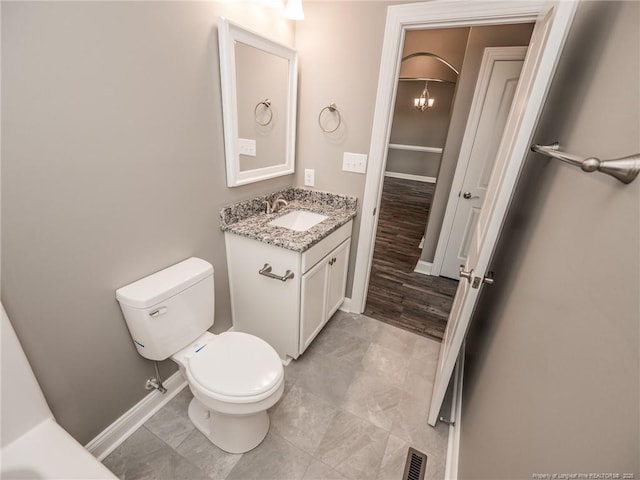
{"type": "Point", "coordinates": [397, 295]}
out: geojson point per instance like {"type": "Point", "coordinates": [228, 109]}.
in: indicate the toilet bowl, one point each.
{"type": "Point", "coordinates": [234, 377]}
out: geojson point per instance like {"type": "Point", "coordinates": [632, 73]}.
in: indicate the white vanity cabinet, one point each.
{"type": "Point", "coordinates": [287, 313]}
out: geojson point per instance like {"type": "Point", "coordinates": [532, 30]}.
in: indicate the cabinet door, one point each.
{"type": "Point", "coordinates": [314, 302]}
{"type": "Point", "coordinates": [339, 261]}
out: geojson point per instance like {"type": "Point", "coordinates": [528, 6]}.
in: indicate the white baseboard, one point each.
{"type": "Point", "coordinates": [346, 305]}
{"type": "Point", "coordinates": [423, 267]}
{"type": "Point", "coordinates": [116, 433]}
{"type": "Point", "coordinates": [407, 176]}
{"type": "Point", "coordinates": [453, 446]}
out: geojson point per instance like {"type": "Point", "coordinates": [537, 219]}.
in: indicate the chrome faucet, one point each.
{"type": "Point", "coordinates": [275, 206]}
{"type": "Point", "coordinates": [277, 203]}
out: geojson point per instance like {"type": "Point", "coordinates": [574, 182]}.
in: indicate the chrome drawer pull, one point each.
{"type": "Point", "coordinates": [266, 271]}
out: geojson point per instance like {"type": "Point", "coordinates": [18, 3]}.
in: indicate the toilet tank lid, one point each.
{"type": "Point", "coordinates": [159, 286]}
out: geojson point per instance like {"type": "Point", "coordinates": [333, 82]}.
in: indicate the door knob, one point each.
{"type": "Point", "coordinates": [488, 278]}
{"type": "Point", "coordinates": [468, 196]}
{"type": "Point", "coordinates": [465, 274]}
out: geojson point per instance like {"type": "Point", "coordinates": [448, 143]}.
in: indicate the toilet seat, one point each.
{"type": "Point", "coordinates": [236, 367]}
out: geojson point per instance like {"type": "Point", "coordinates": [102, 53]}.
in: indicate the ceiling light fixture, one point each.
{"type": "Point", "coordinates": [427, 67]}
{"type": "Point", "coordinates": [424, 101]}
{"type": "Point", "coordinates": [293, 10]}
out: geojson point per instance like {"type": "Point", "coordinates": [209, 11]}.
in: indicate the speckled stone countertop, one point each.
{"type": "Point", "coordinates": [249, 220]}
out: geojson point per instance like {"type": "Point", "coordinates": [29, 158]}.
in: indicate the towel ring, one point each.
{"type": "Point", "coordinates": [267, 106]}
{"type": "Point", "coordinates": [333, 109]}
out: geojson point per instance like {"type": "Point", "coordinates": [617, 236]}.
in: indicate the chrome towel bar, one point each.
{"type": "Point", "coordinates": [266, 271]}
{"type": "Point", "coordinates": [625, 169]}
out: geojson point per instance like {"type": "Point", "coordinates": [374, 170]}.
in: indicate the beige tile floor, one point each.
{"type": "Point", "coordinates": [353, 404]}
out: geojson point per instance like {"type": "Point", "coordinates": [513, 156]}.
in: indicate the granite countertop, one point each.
{"type": "Point", "coordinates": [249, 220]}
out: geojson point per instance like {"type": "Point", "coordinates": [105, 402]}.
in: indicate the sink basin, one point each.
{"type": "Point", "coordinates": [298, 220]}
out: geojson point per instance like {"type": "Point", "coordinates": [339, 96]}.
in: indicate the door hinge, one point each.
{"type": "Point", "coordinates": [375, 209]}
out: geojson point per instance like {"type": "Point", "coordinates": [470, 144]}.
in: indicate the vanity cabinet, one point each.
{"type": "Point", "coordinates": [287, 313]}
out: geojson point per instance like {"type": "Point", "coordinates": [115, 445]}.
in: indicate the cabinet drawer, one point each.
{"type": "Point", "coordinates": [322, 248]}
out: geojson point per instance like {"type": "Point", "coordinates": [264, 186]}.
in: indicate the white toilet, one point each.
{"type": "Point", "coordinates": [235, 377]}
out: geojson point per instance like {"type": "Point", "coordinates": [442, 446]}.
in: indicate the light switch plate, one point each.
{"type": "Point", "coordinates": [309, 177]}
{"type": "Point", "coordinates": [247, 146]}
{"type": "Point", "coordinates": [354, 162]}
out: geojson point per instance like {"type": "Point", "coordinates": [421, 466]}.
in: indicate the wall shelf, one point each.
{"type": "Point", "coordinates": [415, 148]}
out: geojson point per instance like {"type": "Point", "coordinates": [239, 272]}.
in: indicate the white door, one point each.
{"type": "Point", "coordinates": [496, 86]}
{"type": "Point", "coordinates": [544, 50]}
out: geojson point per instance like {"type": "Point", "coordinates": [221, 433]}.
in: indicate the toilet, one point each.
{"type": "Point", "coordinates": [235, 377]}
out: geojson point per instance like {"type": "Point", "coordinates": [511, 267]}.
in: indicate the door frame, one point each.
{"type": "Point", "coordinates": [400, 18]}
{"type": "Point", "coordinates": [490, 57]}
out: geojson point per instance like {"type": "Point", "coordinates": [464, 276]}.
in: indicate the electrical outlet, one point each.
{"type": "Point", "coordinates": [309, 177]}
{"type": "Point", "coordinates": [354, 162]}
{"type": "Point", "coordinates": [247, 146]}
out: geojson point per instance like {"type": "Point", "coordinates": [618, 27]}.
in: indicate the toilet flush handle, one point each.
{"type": "Point", "coordinates": [158, 312]}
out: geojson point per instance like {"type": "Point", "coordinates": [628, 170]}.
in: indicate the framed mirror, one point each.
{"type": "Point", "coordinates": [259, 93]}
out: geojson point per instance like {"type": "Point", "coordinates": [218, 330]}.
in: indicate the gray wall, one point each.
{"type": "Point", "coordinates": [428, 128]}
{"type": "Point", "coordinates": [408, 162]}
{"type": "Point", "coordinates": [412, 127]}
{"type": "Point", "coordinates": [479, 39]}
{"type": "Point", "coordinates": [112, 168]}
{"type": "Point", "coordinates": [551, 377]}
{"type": "Point", "coordinates": [339, 46]}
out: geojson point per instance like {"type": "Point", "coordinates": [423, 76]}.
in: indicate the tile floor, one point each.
{"type": "Point", "coordinates": [353, 404]}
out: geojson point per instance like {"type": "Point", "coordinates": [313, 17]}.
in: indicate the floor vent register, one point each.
{"type": "Point", "coordinates": [415, 466]}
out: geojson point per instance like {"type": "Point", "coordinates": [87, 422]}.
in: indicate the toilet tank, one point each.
{"type": "Point", "coordinates": [167, 310]}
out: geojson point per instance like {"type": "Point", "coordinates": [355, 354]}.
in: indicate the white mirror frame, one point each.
{"type": "Point", "coordinates": [228, 34]}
